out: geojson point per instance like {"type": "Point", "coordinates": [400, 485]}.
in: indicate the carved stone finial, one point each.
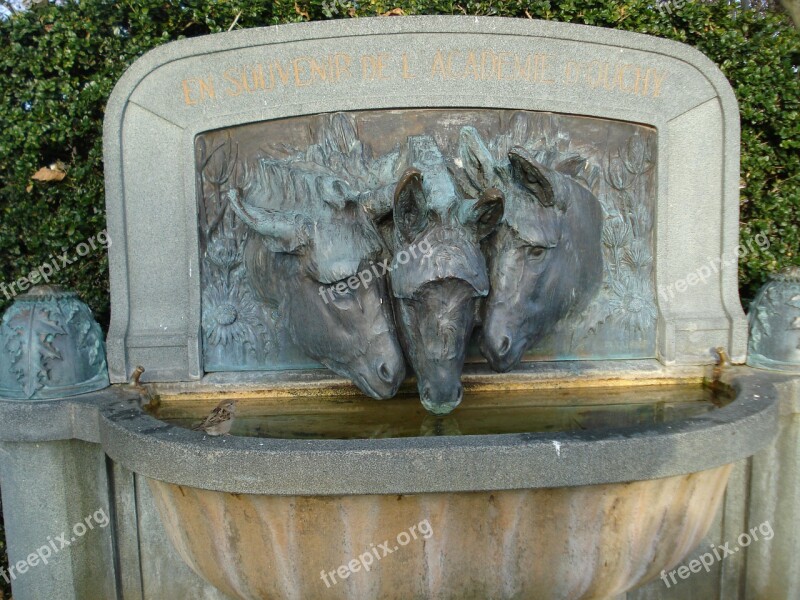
{"type": "Point", "coordinates": [791, 274]}
{"type": "Point", "coordinates": [50, 347]}
{"type": "Point", "coordinates": [775, 323]}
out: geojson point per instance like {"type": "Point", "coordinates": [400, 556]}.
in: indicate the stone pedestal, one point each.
{"type": "Point", "coordinates": [57, 520]}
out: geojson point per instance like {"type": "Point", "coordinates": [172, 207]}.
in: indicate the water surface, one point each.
{"type": "Point", "coordinates": [485, 412]}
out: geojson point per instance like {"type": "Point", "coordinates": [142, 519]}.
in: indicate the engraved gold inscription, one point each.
{"type": "Point", "coordinates": [435, 65]}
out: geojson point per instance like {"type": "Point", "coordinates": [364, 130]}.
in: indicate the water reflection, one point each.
{"type": "Point", "coordinates": [481, 413]}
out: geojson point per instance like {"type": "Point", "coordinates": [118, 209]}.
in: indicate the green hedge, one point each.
{"type": "Point", "coordinates": [58, 65]}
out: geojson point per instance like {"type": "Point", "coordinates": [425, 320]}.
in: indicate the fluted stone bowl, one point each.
{"type": "Point", "coordinates": [592, 541]}
{"type": "Point", "coordinates": [580, 514]}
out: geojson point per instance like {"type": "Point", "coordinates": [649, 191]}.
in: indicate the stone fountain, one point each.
{"type": "Point", "coordinates": [468, 285]}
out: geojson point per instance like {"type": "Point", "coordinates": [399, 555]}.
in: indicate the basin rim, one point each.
{"type": "Point", "coordinates": [166, 452]}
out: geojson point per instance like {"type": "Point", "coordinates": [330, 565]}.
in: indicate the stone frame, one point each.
{"type": "Point", "coordinates": [157, 108]}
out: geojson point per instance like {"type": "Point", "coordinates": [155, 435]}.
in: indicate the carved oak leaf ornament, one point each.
{"type": "Point", "coordinates": [32, 349]}
{"type": "Point", "coordinates": [763, 311]}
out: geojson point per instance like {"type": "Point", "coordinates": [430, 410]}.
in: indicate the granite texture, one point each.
{"type": "Point", "coordinates": [163, 451]}
{"type": "Point", "coordinates": [49, 488]}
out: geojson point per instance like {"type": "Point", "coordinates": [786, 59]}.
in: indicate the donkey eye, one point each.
{"type": "Point", "coordinates": [346, 294]}
{"type": "Point", "coordinates": [536, 252]}
{"type": "Point", "coordinates": [343, 296]}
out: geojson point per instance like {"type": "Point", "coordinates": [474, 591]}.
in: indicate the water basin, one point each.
{"type": "Point", "coordinates": [538, 489]}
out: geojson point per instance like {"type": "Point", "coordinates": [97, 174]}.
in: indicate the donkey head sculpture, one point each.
{"type": "Point", "coordinates": [315, 236]}
{"type": "Point", "coordinates": [545, 257]}
{"type": "Point", "coordinates": [436, 289]}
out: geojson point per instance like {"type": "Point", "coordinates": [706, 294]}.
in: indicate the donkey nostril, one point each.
{"type": "Point", "coordinates": [385, 373]}
{"type": "Point", "coordinates": [460, 395]}
{"type": "Point", "coordinates": [505, 345]}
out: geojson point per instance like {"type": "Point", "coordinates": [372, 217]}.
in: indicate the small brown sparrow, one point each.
{"type": "Point", "coordinates": [219, 420]}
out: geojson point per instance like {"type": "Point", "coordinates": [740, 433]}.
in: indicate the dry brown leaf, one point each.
{"type": "Point", "coordinates": [301, 12]}
{"type": "Point", "coordinates": [395, 12]}
{"type": "Point", "coordinates": [54, 172]}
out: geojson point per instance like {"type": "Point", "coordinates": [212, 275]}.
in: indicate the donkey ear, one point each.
{"type": "Point", "coordinates": [532, 175]}
{"type": "Point", "coordinates": [410, 210]}
{"type": "Point", "coordinates": [574, 166]}
{"type": "Point", "coordinates": [476, 159]}
{"type": "Point", "coordinates": [282, 231]}
{"type": "Point", "coordinates": [487, 211]}
{"type": "Point", "coordinates": [379, 203]}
